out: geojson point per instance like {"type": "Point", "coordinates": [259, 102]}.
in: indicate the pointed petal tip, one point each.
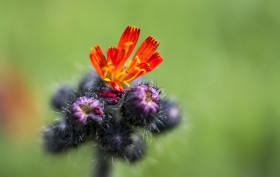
{"type": "Point", "coordinates": [131, 28]}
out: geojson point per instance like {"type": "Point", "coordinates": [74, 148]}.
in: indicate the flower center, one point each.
{"type": "Point", "coordinates": [87, 109]}
{"type": "Point", "coordinates": [148, 96]}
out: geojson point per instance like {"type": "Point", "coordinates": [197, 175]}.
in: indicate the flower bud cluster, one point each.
{"type": "Point", "coordinates": [95, 112]}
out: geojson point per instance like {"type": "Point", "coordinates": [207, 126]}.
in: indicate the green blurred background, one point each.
{"type": "Point", "coordinates": [222, 63]}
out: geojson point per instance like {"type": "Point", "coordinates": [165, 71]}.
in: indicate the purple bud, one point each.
{"type": "Point", "coordinates": [87, 108]}
{"type": "Point", "coordinates": [141, 105]}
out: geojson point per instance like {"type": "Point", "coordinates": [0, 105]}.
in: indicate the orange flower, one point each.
{"type": "Point", "coordinates": [113, 69]}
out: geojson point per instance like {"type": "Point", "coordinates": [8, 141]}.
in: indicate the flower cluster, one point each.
{"type": "Point", "coordinates": [111, 104]}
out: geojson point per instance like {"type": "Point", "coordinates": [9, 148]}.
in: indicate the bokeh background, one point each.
{"type": "Point", "coordinates": [222, 64]}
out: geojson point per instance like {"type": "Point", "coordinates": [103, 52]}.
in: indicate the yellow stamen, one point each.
{"type": "Point", "coordinates": [108, 70]}
{"type": "Point", "coordinates": [105, 70]}
{"type": "Point", "coordinates": [135, 75]}
{"type": "Point", "coordinates": [107, 79]}
{"type": "Point", "coordinates": [126, 83]}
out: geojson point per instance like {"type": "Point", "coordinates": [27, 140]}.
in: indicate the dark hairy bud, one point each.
{"type": "Point", "coordinates": [89, 81]}
{"type": "Point", "coordinates": [134, 151]}
{"type": "Point", "coordinates": [115, 138]}
{"type": "Point", "coordinates": [59, 137]}
{"type": "Point", "coordinates": [168, 118]}
{"type": "Point", "coordinates": [62, 96]}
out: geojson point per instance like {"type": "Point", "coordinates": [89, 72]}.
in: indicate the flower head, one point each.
{"type": "Point", "coordinates": [85, 108]}
{"type": "Point", "coordinates": [113, 70]}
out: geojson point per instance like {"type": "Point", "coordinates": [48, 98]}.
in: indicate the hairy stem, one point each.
{"type": "Point", "coordinates": [103, 166]}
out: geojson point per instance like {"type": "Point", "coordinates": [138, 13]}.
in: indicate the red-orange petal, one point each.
{"type": "Point", "coordinates": [152, 63]}
{"type": "Point", "coordinates": [101, 56]}
{"type": "Point", "coordinates": [137, 71]}
{"type": "Point", "coordinates": [97, 59]}
{"type": "Point", "coordinates": [117, 86]}
{"type": "Point", "coordinates": [129, 39]}
{"type": "Point", "coordinates": [148, 66]}
{"type": "Point", "coordinates": [116, 56]}
{"type": "Point", "coordinates": [146, 49]}
{"type": "Point", "coordinates": [144, 52]}
{"type": "Point", "coordinates": [155, 60]}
